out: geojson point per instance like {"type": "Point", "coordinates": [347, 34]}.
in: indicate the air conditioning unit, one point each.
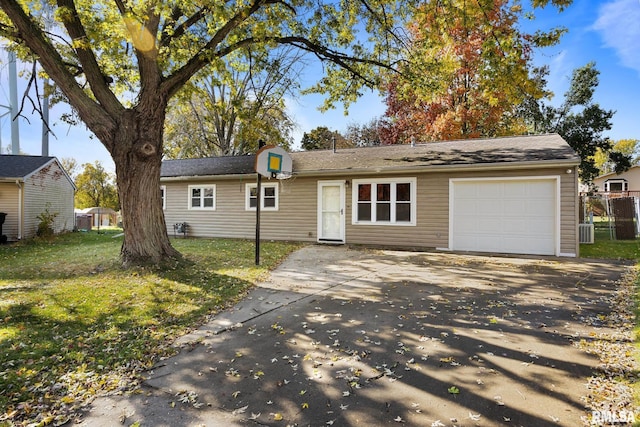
{"type": "Point", "coordinates": [585, 233]}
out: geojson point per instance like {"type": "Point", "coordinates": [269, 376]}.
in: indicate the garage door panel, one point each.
{"type": "Point", "coordinates": [487, 206]}
{"type": "Point", "coordinates": [511, 216]}
{"type": "Point", "coordinates": [516, 207]}
{"type": "Point", "coordinates": [468, 191]}
{"type": "Point", "coordinates": [467, 205]}
{"type": "Point", "coordinates": [514, 190]}
{"type": "Point", "coordinates": [542, 207]}
{"type": "Point", "coordinates": [488, 226]}
{"type": "Point", "coordinates": [540, 190]}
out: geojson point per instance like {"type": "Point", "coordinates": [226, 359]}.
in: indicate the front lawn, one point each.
{"type": "Point", "coordinates": [75, 324]}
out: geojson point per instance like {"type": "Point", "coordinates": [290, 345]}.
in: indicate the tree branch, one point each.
{"type": "Point", "coordinates": [322, 52]}
{"type": "Point", "coordinates": [29, 34]}
{"type": "Point", "coordinates": [93, 73]}
{"type": "Point", "coordinates": [173, 83]}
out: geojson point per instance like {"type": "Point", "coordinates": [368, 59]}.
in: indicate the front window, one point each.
{"type": "Point", "coordinates": [163, 196]}
{"type": "Point", "coordinates": [390, 201]}
{"type": "Point", "coordinates": [202, 197]}
{"type": "Point", "coordinates": [269, 197]}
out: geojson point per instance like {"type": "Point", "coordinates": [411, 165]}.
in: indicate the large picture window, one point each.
{"type": "Point", "coordinates": [202, 197]}
{"type": "Point", "coordinates": [269, 197]}
{"type": "Point", "coordinates": [384, 201]}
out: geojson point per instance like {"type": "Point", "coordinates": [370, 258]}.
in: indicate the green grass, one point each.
{"type": "Point", "coordinates": [75, 324]}
{"type": "Point", "coordinates": [606, 248]}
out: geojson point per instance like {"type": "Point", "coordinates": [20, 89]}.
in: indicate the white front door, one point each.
{"type": "Point", "coordinates": [331, 196]}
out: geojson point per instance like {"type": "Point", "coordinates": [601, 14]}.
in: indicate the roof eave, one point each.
{"type": "Point", "coordinates": [397, 169]}
{"type": "Point", "coordinates": [205, 177]}
{"type": "Point", "coordinates": [439, 168]}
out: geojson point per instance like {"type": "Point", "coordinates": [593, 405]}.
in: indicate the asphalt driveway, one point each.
{"type": "Point", "coordinates": [349, 337]}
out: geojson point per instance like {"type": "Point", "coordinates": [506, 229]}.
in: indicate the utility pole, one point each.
{"type": "Point", "coordinates": [13, 103]}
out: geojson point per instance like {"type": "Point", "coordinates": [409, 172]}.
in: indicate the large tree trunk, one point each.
{"type": "Point", "coordinates": [137, 154]}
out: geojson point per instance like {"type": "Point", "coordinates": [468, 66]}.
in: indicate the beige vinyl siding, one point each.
{"type": "Point", "coordinates": [429, 221]}
{"type": "Point", "coordinates": [569, 205]}
{"type": "Point", "coordinates": [48, 188]}
{"type": "Point", "coordinates": [9, 199]}
{"type": "Point", "coordinates": [296, 218]}
{"type": "Point", "coordinates": [432, 226]}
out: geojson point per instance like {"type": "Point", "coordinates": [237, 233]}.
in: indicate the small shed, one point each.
{"type": "Point", "coordinates": [30, 185]}
{"type": "Point", "coordinates": [100, 216]}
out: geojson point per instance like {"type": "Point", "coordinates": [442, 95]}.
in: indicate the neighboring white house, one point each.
{"type": "Point", "coordinates": [29, 185]}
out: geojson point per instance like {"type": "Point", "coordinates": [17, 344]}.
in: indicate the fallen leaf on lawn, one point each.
{"type": "Point", "coordinates": [398, 419]}
{"type": "Point", "coordinates": [305, 405]}
{"type": "Point", "coordinates": [474, 417]}
{"type": "Point", "coordinates": [277, 416]}
{"type": "Point", "coordinates": [453, 390]}
{"type": "Point", "coordinates": [437, 423]}
{"type": "Point", "coordinates": [235, 394]}
{"type": "Point", "coordinates": [254, 416]}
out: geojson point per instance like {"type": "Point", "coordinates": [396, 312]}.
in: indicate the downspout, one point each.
{"type": "Point", "coordinates": [19, 209]}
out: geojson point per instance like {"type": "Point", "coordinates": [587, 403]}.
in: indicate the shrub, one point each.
{"type": "Point", "coordinates": [45, 226]}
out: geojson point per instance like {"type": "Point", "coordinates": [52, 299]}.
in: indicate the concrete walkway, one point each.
{"type": "Point", "coordinates": [367, 338]}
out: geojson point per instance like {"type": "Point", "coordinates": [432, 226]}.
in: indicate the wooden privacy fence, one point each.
{"type": "Point", "coordinates": [623, 210]}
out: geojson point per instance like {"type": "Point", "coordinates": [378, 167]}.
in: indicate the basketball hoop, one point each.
{"type": "Point", "coordinates": [284, 175]}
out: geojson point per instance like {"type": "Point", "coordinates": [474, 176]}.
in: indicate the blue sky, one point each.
{"type": "Point", "coordinates": [606, 32]}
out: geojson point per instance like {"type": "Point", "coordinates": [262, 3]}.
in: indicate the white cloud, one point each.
{"type": "Point", "coordinates": [618, 26]}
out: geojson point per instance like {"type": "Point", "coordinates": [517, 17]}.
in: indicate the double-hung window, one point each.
{"type": "Point", "coordinates": [202, 197]}
{"type": "Point", "coordinates": [163, 196]}
{"type": "Point", "coordinates": [269, 197]}
{"type": "Point", "coordinates": [384, 201]}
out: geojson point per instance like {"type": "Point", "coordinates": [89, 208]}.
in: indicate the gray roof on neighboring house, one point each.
{"type": "Point", "coordinates": [17, 166]}
{"type": "Point", "coordinates": [507, 151]}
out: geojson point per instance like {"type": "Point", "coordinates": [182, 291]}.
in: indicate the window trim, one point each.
{"type": "Point", "coordinates": [201, 208]}
{"type": "Point", "coordinates": [263, 186]}
{"type": "Point", "coordinates": [412, 181]}
{"type": "Point", "coordinates": [163, 196]}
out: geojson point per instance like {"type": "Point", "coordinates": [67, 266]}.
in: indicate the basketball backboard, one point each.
{"type": "Point", "coordinates": [273, 162]}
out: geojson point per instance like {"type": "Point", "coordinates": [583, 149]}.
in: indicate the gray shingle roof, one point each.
{"type": "Point", "coordinates": [534, 149]}
{"type": "Point", "coordinates": [14, 166]}
{"type": "Point", "coordinates": [208, 166]}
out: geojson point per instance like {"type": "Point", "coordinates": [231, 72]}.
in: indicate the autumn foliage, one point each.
{"type": "Point", "coordinates": [468, 70]}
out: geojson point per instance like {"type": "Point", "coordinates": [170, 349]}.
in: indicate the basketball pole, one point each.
{"type": "Point", "coordinates": [258, 203]}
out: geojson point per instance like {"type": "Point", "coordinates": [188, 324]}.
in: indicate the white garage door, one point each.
{"type": "Point", "coordinates": [510, 216]}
